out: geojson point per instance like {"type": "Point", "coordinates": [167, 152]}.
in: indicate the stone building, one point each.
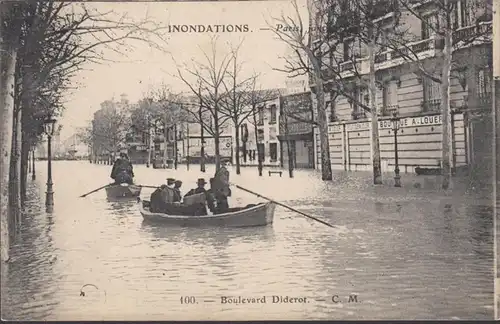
{"type": "Point", "coordinates": [402, 88]}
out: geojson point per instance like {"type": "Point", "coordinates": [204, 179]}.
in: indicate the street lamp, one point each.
{"type": "Point", "coordinates": [49, 128]}
{"type": "Point", "coordinates": [33, 175]}
{"type": "Point", "coordinates": [395, 128]}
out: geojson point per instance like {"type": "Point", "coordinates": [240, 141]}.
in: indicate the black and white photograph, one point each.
{"type": "Point", "coordinates": [250, 160]}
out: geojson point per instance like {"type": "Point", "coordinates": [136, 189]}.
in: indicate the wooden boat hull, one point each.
{"type": "Point", "coordinates": [119, 191]}
{"type": "Point", "coordinates": [258, 215]}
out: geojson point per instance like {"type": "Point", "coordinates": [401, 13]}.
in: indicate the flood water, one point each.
{"type": "Point", "coordinates": [405, 253]}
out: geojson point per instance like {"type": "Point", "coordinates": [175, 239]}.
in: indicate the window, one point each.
{"type": "Point", "coordinates": [331, 106]}
{"type": "Point", "coordinates": [260, 135]}
{"type": "Point", "coordinates": [273, 152]}
{"type": "Point", "coordinates": [464, 13]}
{"type": "Point", "coordinates": [484, 82]}
{"type": "Point", "coordinates": [428, 26]}
{"type": "Point", "coordinates": [261, 151]}
{"type": "Point", "coordinates": [432, 95]}
{"type": "Point", "coordinates": [273, 114]}
{"type": "Point", "coordinates": [272, 133]}
{"type": "Point", "coordinates": [261, 116]}
{"type": "Point", "coordinates": [389, 98]}
{"type": "Point", "coordinates": [361, 96]}
{"type": "Point", "coordinates": [348, 44]}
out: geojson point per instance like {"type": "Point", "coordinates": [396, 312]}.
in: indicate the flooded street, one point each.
{"type": "Point", "coordinates": [404, 253]}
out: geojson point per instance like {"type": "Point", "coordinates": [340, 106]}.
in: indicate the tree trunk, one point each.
{"type": "Point", "coordinates": [244, 149]}
{"type": "Point", "coordinates": [445, 109]}
{"type": "Point", "coordinates": [165, 145]}
{"type": "Point", "coordinates": [372, 89]}
{"type": "Point", "coordinates": [25, 162]}
{"type": "Point", "coordinates": [256, 139]}
{"type": "Point", "coordinates": [175, 147]}
{"type": "Point", "coordinates": [15, 176]}
{"type": "Point", "coordinates": [237, 153]}
{"type": "Point", "coordinates": [8, 56]}
{"type": "Point", "coordinates": [202, 136]}
{"type": "Point", "coordinates": [326, 164]}
{"type": "Point", "coordinates": [216, 138]}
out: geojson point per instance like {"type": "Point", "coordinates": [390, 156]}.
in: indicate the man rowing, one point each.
{"type": "Point", "coordinates": [122, 171]}
{"type": "Point", "coordinates": [221, 190]}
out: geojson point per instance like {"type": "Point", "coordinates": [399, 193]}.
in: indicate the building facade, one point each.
{"type": "Point", "coordinates": [296, 130]}
{"type": "Point", "coordinates": [259, 135]}
{"type": "Point", "coordinates": [404, 89]}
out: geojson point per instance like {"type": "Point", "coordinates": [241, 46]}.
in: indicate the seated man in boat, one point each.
{"type": "Point", "coordinates": [161, 198]}
{"type": "Point", "coordinates": [199, 189]}
{"type": "Point", "coordinates": [122, 171]}
{"type": "Point", "coordinates": [200, 209]}
{"type": "Point", "coordinates": [177, 191]}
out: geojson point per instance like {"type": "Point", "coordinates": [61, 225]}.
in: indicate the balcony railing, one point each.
{"type": "Point", "coordinates": [469, 33]}
{"type": "Point", "coordinates": [431, 105]}
{"type": "Point", "coordinates": [389, 109]}
{"type": "Point", "coordinates": [484, 100]}
{"type": "Point", "coordinates": [346, 66]}
{"type": "Point", "coordinates": [360, 114]}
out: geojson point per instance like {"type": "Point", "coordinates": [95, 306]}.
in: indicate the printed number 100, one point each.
{"type": "Point", "coordinates": [188, 300]}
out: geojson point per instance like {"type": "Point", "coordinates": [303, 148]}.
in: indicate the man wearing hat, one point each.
{"type": "Point", "coordinates": [200, 189]}
{"type": "Point", "coordinates": [170, 182]}
{"type": "Point", "coordinates": [122, 171]}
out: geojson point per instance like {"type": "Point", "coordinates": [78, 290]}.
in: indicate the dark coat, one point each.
{"type": "Point", "coordinates": [177, 195]}
{"type": "Point", "coordinates": [122, 165]}
{"type": "Point", "coordinates": [195, 191]}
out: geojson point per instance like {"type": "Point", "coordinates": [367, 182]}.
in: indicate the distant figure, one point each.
{"type": "Point", "coordinates": [199, 189]}
{"type": "Point", "coordinates": [177, 191]}
{"type": "Point", "coordinates": [122, 171]}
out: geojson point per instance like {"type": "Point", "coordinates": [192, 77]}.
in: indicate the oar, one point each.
{"type": "Point", "coordinates": [153, 187]}
{"type": "Point", "coordinates": [283, 205]}
{"type": "Point", "coordinates": [88, 193]}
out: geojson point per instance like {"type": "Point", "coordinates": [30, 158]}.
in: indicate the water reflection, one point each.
{"type": "Point", "coordinates": [119, 205]}
{"type": "Point", "coordinates": [217, 237]}
{"type": "Point", "coordinates": [32, 259]}
{"type": "Point", "coordinates": [408, 253]}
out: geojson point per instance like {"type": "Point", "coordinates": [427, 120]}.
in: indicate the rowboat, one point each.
{"type": "Point", "coordinates": [252, 215]}
{"type": "Point", "coordinates": [123, 191]}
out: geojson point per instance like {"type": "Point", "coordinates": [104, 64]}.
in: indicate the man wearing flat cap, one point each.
{"type": "Point", "coordinates": [170, 182]}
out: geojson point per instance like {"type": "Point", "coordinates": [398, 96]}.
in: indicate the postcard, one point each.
{"type": "Point", "coordinates": [249, 160]}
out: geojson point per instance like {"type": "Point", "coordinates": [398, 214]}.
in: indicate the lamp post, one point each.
{"type": "Point", "coordinates": [33, 175]}
{"type": "Point", "coordinates": [49, 127]}
{"type": "Point", "coordinates": [395, 128]}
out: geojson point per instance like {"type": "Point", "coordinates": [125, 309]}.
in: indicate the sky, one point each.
{"type": "Point", "coordinates": [143, 68]}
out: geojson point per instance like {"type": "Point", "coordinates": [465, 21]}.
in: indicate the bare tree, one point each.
{"type": "Point", "coordinates": [110, 129]}
{"type": "Point", "coordinates": [440, 21]}
{"type": "Point", "coordinates": [329, 51]}
{"type": "Point", "coordinates": [169, 112]}
{"type": "Point", "coordinates": [209, 78]}
{"type": "Point", "coordinates": [236, 104]}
